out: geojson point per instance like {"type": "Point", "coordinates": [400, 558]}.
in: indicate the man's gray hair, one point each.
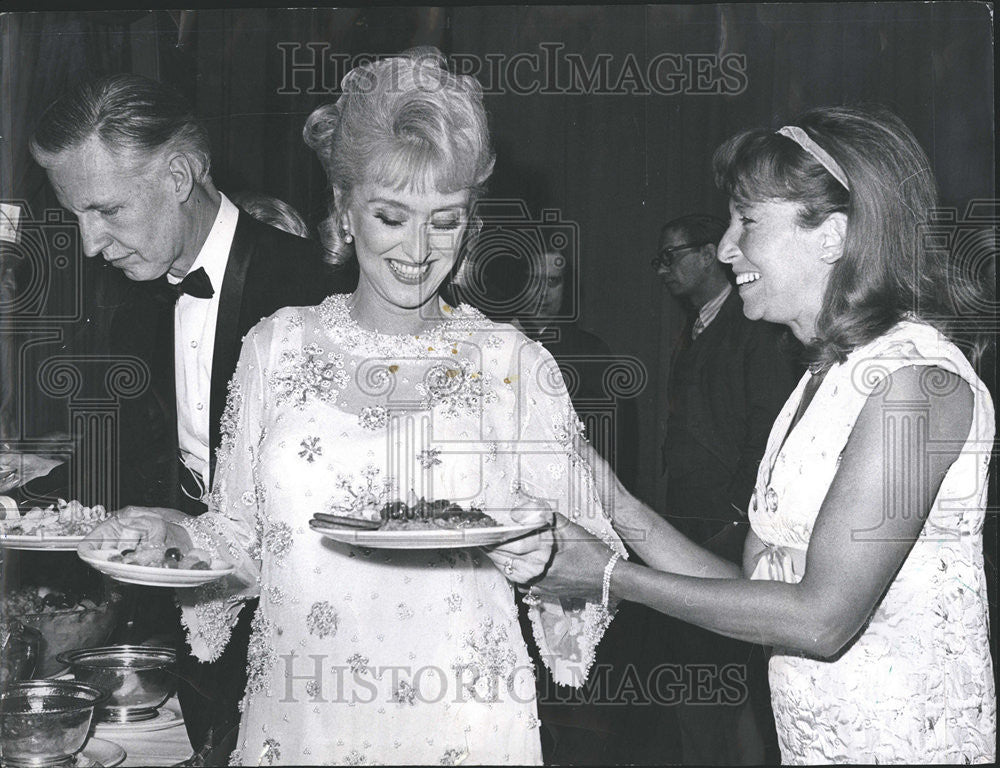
{"type": "Point", "coordinates": [127, 112]}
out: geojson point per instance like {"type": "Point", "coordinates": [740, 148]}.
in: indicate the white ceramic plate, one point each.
{"type": "Point", "coordinates": [102, 753]}
{"type": "Point", "coordinates": [167, 716]}
{"type": "Point", "coordinates": [51, 543]}
{"type": "Point", "coordinates": [146, 575]}
{"type": "Point", "coordinates": [443, 538]}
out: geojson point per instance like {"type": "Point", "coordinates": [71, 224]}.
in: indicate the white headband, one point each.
{"type": "Point", "coordinates": [800, 137]}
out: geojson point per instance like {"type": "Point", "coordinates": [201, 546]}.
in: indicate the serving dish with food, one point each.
{"type": "Point", "coordinates": [59, 526]}
{"type": "Point", "coordinates": [63, 621]}
{"type": "Point", "coordinates": [439, 524]}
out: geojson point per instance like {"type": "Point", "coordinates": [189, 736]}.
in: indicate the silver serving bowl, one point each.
{"type": "Point", "coordinates": [45, 722]}
{"type": "Point", "coordinates": [137, 678]}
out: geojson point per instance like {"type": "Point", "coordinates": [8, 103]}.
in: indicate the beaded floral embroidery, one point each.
{"type": "Point", "coordinates": [373, 418]}
{"type": "Point", "coordinates": [335, 314]}
{"type": "Point", "coordinates": [227, 425]}
{"type": "Point", "coordinates": [271, 752]}
{"type": "Point", "coordinates": [405, 693]}
{"type": "Point", "coordinates": [456, 388]}
{"type": "Point", "coordinates": [278, 539]}
{"type": "Point", "coordinates": [489, 659]}
{"type": "Point", "coordinates": [306, 374]}
{"type": "Point", "coordinates": [429, 458]}
{"type": "Point", "coordinates": [322, 620]}
{"type": "Point", "coordinates": [214, 620]}
{"type": "Point", "coordinates": [358, 663]}
{"type": "Point", "coordinates": [454, 756]}
{"type": "Point", "coordinates": [361, 498]}
{"type": "Point", "coordinates": [261, 656]}
{"type": "Point", "coordinates": [311, 448]}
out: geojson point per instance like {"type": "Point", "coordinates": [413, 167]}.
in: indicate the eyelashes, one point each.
{"type": "Point", "coordinates": [448, 224]}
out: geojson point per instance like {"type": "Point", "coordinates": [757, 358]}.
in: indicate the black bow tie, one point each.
{"type": "Point", "coordinates": [195, 284]}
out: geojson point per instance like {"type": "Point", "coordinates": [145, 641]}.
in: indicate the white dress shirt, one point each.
{"type": "Point", "coordinates": [709, 311]}
{"type": "Point", "coordinates": [194, 343]}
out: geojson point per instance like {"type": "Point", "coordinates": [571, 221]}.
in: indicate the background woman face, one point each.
{"type": "Point", "coordinates": [779, 270]}
{"type": "Point", "coordinates": [406, 242]}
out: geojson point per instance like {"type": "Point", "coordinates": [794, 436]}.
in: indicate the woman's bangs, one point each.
{"type": "Point", "coordinates": [418, 166]}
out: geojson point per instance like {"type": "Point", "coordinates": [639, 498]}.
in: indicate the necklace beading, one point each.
{"type": "Point", "coordinates": [336, 317]}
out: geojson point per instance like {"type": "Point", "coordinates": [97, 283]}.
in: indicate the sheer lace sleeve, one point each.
{"type": "Point", "coordinates": [567, 631]}
{"type": "Point", "coordinates": [231, 529]}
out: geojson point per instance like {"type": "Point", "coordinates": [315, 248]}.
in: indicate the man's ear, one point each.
{"type": "Point", "coordinates": [181, 176]}
{"type": "Point", "coordinates": [833, 234]}
{"type": "Point", "coordinates": [709, 256]}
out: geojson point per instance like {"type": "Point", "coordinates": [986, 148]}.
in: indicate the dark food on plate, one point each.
{"type": "Point", "coordinates": [30, 600]}
{"type": "Point", "coordinates": [400, 516]}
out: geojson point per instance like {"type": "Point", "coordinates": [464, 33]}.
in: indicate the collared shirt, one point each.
{"type": "Point", "coordinates": [709, 311]}
{"type": "Point", "coordinates": [194, 343]}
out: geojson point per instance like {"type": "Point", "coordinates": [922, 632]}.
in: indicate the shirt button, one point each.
{"type": "Point", "coordinates": [199, 406]}
{"type": "Point", "coordinates": [194, 343]}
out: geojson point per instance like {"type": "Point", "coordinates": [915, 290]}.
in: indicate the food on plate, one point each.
{"type": "Point", "coordinates": [160, 556]}
{"type": "Point", "coordinates": [428, 515]}
{"type": "Point", "coordinates": [60, 519]}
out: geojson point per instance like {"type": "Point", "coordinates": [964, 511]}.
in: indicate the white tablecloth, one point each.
{"type": "Point", "coordinates": [167, 746]}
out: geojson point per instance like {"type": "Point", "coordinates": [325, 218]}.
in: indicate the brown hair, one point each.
{"type": "Point", "coordinates": [886, 269]}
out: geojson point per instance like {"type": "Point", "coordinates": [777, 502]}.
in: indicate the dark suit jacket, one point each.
{"type": "Point", "coordinates": [726, 388]}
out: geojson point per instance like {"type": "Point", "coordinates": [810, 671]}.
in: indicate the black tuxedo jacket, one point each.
{"type": "Point", "coordinates": [267, 269]}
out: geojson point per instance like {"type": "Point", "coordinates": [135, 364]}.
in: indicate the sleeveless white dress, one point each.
{"type": "Point", "coordinates": [916, 685]}
{"type": "Point", "coordinates": [378, 656]}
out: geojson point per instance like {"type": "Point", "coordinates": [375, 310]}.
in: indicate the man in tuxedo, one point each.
{"type": "Point", "coordinates": [729, 378]}
{"type": "Point", "coordinates": [129, 158]}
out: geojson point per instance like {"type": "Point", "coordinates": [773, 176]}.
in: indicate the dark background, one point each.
{"type": "Point", "coordinates": [616, 166]}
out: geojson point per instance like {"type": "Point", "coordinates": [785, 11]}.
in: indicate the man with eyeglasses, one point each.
{"type": "Point", "coordinates": [729, 378]}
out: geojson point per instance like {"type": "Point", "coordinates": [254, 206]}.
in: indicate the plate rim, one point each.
{"type": "Point", "coordinates": [143, 577]}
{"type": "Point", "coordinates": [451, 538]}
{"type": "Point", "coordinates": [118, 759]}
{"type": "Point", "coordinates": [32, 541]}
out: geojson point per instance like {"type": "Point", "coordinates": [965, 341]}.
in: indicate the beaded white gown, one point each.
{"type": "Point", "coordinates": [916, 685]}
{"type": "Point", "coordinates": [377, 656]}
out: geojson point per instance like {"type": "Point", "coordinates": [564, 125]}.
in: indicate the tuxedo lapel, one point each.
{"type": "Point", "coordinates": [227, 329]}
{"type": "Point", "coordinates": [165, 384]}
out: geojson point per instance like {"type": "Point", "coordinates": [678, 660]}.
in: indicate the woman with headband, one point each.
{"type": "Point", "coordinates": [864, 567]}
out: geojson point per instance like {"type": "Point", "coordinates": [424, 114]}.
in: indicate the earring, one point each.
{"type": "Point", "coordinates": [348, 237]}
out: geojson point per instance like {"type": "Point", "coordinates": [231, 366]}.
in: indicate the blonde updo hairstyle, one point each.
{"type": "Point", "coordinates": [406, 123]}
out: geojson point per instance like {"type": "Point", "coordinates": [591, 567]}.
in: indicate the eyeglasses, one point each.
{"type": "Point", "coordinates": [666, 258]}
